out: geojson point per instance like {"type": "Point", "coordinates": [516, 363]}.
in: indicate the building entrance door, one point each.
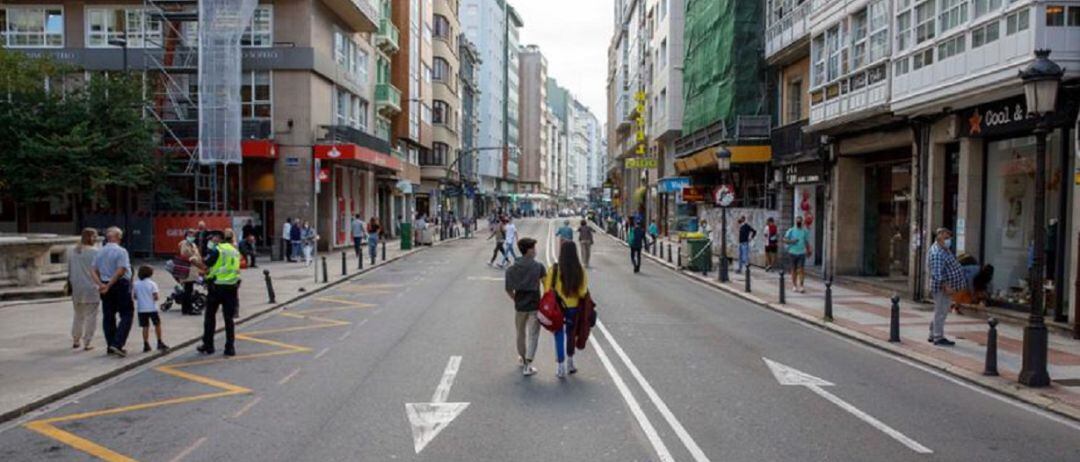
{"type": "Point", "coordinates": [886, 228]}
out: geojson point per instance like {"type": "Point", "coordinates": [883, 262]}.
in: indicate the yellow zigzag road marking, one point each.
{"type": "Point", "coordinates": [48, 428]}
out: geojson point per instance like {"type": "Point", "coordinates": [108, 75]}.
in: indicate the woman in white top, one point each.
{"type": "Point", "coordinates": [85, 295]}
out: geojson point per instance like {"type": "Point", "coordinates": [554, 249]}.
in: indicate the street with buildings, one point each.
{"type": "Point", "coordinates": [800, 230]}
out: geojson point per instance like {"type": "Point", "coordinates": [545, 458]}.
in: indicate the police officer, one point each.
{"type": "Point", "coordinates": [222, 279]}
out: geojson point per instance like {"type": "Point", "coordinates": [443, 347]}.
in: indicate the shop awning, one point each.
{"type": "Point", "coordinates": [706, 158]}
{"type": "Point", "coordinates": [258, 149]}
{"type": "Point", "coordinates": [349, 151]}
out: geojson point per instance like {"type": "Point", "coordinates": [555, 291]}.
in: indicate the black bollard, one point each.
{"type": "Point", "coordinates": [344, 271]}
{"type": "Point", "coordinates": [269, 286]}
{"type": "Point", "coordinates": [669, 252]}
{"type": "Point", "coordinates": [324, 276]}
{"type": "Point", "coordinates": [679, 265]}
{"type": "Point", "coordinates": [782, 288]}
{"type": "Point", "coordinates": [383, 250]}
{"type": "Point", "coordinates": [894, 320]}
{"type": "Point", "coordinates": [360, 258]}
{"type": "Point", "coordinates": [828, 300]}
{"type": "Point", "coordinates": [991, 348]}
{"type": "Point", "coordinates": [747, 278]}
{"type": "Point", "coordinates": [661, 251]}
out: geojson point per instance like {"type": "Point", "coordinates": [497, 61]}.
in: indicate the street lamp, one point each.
{"type": "Point", "coordinates": [723, 164]}
{"type": "Point", "coordinates": [123, 44]}
{"type": "Point", "coordinates": [1041, 81]}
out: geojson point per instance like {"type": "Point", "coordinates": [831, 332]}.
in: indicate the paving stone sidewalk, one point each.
{"type": "Point", "coordinates": [38, 365]}
{"type": "Point", "coordinates": [865, 316]}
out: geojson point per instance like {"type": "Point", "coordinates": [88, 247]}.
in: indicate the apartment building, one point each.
{"type": "Point", "coordinates": [411, 74]}
{"type": "Point", "coordinates": [665, 108]}
{"type": "Point", "coordinates": [469, 85]}
{"type": "Point", "coordinates": [307, 85]}
{"type": "Point", "coordinates": [440, 190]}
{"type": "Point", "coordinates": [558, 101]}
{"type": "Point", "coordinates": [532, 138]}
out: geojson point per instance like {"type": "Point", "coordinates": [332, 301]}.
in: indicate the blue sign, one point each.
{"type": "Point", "coordinates": [673, 184]}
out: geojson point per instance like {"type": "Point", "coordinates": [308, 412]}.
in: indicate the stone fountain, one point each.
{"type": "Point", "coordinates": [26, 259]}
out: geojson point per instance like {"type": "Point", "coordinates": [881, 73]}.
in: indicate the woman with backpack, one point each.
{"type": "Point", "coordinates": [571, 285]}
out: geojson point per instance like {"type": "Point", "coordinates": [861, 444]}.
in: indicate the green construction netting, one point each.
{"type": "Point", "coordinates": [723, 75]}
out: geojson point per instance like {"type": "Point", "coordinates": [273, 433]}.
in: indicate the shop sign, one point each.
{"type": "Point", "coordinates": [1005, 117]}
{"type": "Point", "coordinates": [804, 173]}
{"type": "Point", "coordinates": [640, 162]}
{"type": "Point", "coordinates": [670, 185]}
{"type": "Point", "coordinates": [695, 194]}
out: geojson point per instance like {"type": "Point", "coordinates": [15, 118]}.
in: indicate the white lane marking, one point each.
{"type": "Point", "coordinates": [677, 426]}
{"type": "Point", "coordinates": [322, 352]}
{"type": "Point", "coordinates": [789, 376]}
{"type": "Point", "coordinates": [289, 377]}
{"type": "Point", "coordinates": [429, 419]}
{"type": "Point", "coordinates": [635, 408]}
{"type": "Point", "coordinates": [345, 335]}
{"type": "Point", "coordinates": [188, 450]}
{"type": "Point", "coordinates": [250, 404]}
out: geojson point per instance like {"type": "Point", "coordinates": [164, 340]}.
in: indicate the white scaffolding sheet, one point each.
{"type": "Point", "coordinates": [221, 25]}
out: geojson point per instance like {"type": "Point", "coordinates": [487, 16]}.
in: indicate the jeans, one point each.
{"type": "Point", "coordinates": [508, 252]}
{"type": "Point", "coordinates": [942, 302]}
{"type": "Point", "coordinates": [117, 302]}
{"type": "Point", "coordinates": [358, 244]}
{"type": "Point", "coordinates": [295, 250]}
{"type": "Point", "coordinates": [286, 249]}
{"type": "Point", "coordinates": [223, 296]}
{"type": "Point", "coordinates": [372, 243]}
{"type": "Point", "coordinates": [500, 247]}
{"type": "Point", "coordinates": [586, 252]}
{"type": "Point", "coordinates": [744, 255]}
{"type": "Point", "coordinates": [564, 338]}
{"type": "Point", "coordinates": [635, 258]}
{"type": "Point", "coordinates": [528, 332]}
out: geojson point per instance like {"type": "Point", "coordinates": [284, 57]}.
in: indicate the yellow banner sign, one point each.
{"type": "Point", "coordinates": [640, 162]}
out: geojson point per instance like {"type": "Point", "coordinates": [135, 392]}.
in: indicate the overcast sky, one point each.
{"type": "Point", "coordinates": [574, 36]}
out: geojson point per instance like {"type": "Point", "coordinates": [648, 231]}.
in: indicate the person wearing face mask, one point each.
{"type": "Point", "coordinates": [189, 251]}
{"type": "Point", "coordinates": [798, 247]}
{"type": "Point", "coordinates": [223, 277]}
{"type": "Point", "coordinates": [946, 278]}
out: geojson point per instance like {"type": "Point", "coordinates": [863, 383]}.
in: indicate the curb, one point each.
{"type": "Point", "coordinates": [39, 403]}
{"type": "Point", "coordinates": [997, 385]}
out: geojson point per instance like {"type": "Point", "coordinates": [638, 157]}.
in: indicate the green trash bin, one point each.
{"type": "Point", "coordinates": [406, 236]}
{"type": "Point", "coordinates": [699, 255]}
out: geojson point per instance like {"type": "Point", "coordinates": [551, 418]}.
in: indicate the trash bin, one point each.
{"type": "Point", "coordinates": [406, 236]}
{"type": "Point", "coordinates": [698, 254]}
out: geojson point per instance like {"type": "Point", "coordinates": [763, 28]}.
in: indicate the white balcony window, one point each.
{"type": "Point", "coordinates": [36, 26]}
{"type": "Point", "coordinates": [903, 31]}
{"type": "Point", "coordinates": [922, 59]}
{"type": "Point", "coordinates": [952, 14]}
{"type": "Point", "coordinates": [951, 47]}
{"type": "Point", "coordinates": [112, 24]}
{"type": "Point", "coordinates": [924, 21]}
{"type": "Point", "coordinates": [1018, 21]}
{"type": "Point", "coordinates": [982, 7]}
{"type": "Point", "coordinates": [260, 31]}
{"type": "Point", "coordinates": [987, 33]}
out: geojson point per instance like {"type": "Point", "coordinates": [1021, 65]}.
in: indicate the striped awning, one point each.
{"type": "Point", "coordinates": [705, 159]}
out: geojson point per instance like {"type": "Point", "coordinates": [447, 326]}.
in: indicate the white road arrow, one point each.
{"type": "Point", "coordinates": [788, 375]}
{"type": "Point", "coordinates": [428, 419]}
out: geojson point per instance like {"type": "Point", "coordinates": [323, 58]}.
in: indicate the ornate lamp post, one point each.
{"type": "Point", "coordinates": [1042, 78]}
{"type": "Point", "coordinates": [723, 163]}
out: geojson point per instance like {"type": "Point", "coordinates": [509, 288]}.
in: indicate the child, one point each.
{"type": "Point", "coordinates": [146, 297]}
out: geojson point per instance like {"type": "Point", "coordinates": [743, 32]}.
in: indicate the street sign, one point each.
{"type": "Point", "coordinates": [640, 162]}
{"type": "Point", "coordinates": [724, 195]}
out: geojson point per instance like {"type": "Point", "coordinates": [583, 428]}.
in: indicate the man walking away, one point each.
{"type": "Point", "coordinates": [746, 234]}
{"type": "Point", "coordinates": [636, 239]}
{"type": "Point", "coordinates": [511, 241]}
{"type": "Point", "coordinates": [222, 279]}
{"type": "Point", "coordinates": [565, 232]}
{"type": "Point", "coordinates": [286, 244]}
{"type": "Point", "coordinates": [112, 267]}
{"type": "Point", "coordinates": [358, 234]}
{"type": "Point", "coordinates": [249, 250]}
{"type": "Point", "coordinates": [523, 281]}
{"type": "Point", "coordinates": [296, 235]}
{"type": "Point", "coordinates": [797, 249]}
{"type": "Point", "coordinates": [498, 231]}
{"type": "Point", "coordinates": [946, 277]}
{"type": "Point", "coordinates": [772, 238]}
{"type": "Point", "coordinates": [585, 239]}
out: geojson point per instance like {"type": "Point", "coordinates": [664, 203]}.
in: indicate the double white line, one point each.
{"type": "Point", "coordinates": [635, 408]}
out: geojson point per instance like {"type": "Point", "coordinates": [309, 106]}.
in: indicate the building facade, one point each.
{"type": "Point", "coordinates": [532, 138]}
{"type": "Point", "coordinates": [439, 166]}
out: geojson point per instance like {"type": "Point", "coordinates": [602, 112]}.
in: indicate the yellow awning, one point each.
{"type": "Point", "coordinates": [706, 158]}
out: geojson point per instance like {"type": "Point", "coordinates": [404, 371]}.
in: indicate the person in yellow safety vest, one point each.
{"type": "Point", "coordinates": [223, 278]}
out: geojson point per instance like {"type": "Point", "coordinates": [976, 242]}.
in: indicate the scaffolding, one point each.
{"type": "Point", "coordinates": [193, 76]}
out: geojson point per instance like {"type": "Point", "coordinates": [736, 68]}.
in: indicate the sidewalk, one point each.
{"type": "Point", "coordinates": [38, 365]}
{"type": "Point", "coordinates": [864, 316]}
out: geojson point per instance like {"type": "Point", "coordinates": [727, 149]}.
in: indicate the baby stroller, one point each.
{"type": "Point", "coordinates": [198, 292]}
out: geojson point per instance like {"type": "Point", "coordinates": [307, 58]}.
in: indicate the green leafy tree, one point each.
{"type": "Point", "coordinates": [63, 135]}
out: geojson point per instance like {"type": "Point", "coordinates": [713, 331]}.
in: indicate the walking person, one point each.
{"type": "Point", "coordinates": [249, 250]}
{"type": "Point", "coordinates": [286, 243]}
{"type": "Point", "coordinates": [747, 234]}
{"type": "Point", "coordinates": [565, 232]}
{"type": "Point", "coordinates": [374, 230]}
{"type": "Point", "coordinates": [307, 242]}
{"type": "Point", "coordinates": [202, 236]}
{"type": "Point", "coordinates": [798, 247]}
{"type": "Point", "coordinates": [772, 238]}
{"type": "Point", "coordinates": [248, 230]}
{"type": "Point", "coordinates": [222, 277]}
{"type": "Point", "coordinates": [654, 235]}
{"type": "Point", "coordinates": [498, 231]}
{"type": "Point", "coordinates": [636, 239]}
{"type": "Point", "coordinates": [585, 240]}
{"type": "Point", "coordinates": [946, 278]}
{"type": "Point", "coordinates": [112, 270]}
{"type": "Point", "coordinates": [189, 252]}
{"type": "Point", "coordinates": [358, 235]}
{"type": "Point", "coordinates": [511, 241]}
{"type": "Point", "coordinates": [523, 281]}
{"type": "Point", "coordinates": [296, 235]}
{"type": "Point", "coordinates": [571, 285]}
{"type": "Point", "coordinates": [146, 297]}
{"type": "Point", "coordinates": [83, 288]}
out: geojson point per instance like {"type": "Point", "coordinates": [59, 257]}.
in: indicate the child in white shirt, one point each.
{"type": "Point", "coordinates": [146, 297]}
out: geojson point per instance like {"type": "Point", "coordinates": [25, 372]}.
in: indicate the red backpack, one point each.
{"type": "Point", "coordinates": [550, 313]}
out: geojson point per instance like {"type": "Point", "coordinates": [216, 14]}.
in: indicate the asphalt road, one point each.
{"type": "Point", "coordinates": [675, 371]}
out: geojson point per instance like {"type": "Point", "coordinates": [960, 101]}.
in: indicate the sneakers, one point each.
{"type": "Point", "coordinates": [115, 351]}
{"type": "Point", "coordinates": [570, 366]}
{"type": "Point", "coordinates": [528, 370]}
{"type": "Point", "coordinates": [146, 347]}
{"type": "Point", "coordinates": [162, 346]}
{"type": "Point", "coordinates": [205, 349]}
{"type": "Point", "coordinates": [560, 371]}
{"type": "Point", "coordinates": [944, 342]}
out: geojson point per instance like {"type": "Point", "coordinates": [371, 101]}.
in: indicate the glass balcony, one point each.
{"type": "Point", "coordinates": [387, 37]}
{"type": "Point", "coordinates": [387, 99]}
{"type": "Point", "coordinates": [382, 128]}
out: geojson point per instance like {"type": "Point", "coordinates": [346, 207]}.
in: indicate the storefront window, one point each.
{"type": "Point", "coordinates": [1010, 223]}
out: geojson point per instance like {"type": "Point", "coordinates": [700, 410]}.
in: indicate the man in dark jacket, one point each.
{"type": "Point", "coordinates": [636, 239]}
{"type": "Point", "coordinates": [523, 281]}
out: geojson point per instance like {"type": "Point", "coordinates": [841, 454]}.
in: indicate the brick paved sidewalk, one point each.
{"type": "Point", "coordinates": [865, 316]}
{"type": "Point", "coordinates": [38, 365]}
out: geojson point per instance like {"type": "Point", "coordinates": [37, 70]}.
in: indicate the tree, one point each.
{"type": "Point", "coordinates": [63, 135]}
